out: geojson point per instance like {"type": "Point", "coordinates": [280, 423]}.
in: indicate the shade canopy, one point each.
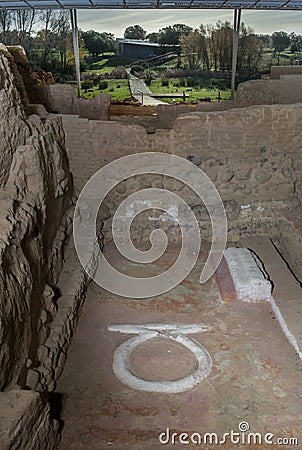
{"type": "Point", "coordinates": [153, 4]}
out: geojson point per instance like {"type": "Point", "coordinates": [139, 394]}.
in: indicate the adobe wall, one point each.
{"type": "Point", "coordinates": [61, 99]}
{"type": "Point", "coordinates": [252, 154]}
{"type": "Point", "coordinates": [39, 303]}
{"type": "Point", "coordinates": [277, 71]}
{"type": "Point", "coordinates": [286, 90]}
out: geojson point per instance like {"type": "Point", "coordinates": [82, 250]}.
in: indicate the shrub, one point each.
{"type": "Point", "coordinates": [103, 85]}
{"type": "Point", "coordinates": [96, 79]}
{"type": "Point", "coordinates": [136, 68]}
{"type": "Point", "coordinates": [119, 72]}
{"type": "Point", "coordinates": [87, 84]}
{"type": "Point", "coordinates": [165, 83]}
{"type": "Point", "coordinates": [191, 82]}
{"type": "Point", "coordinates": [221, 84]}
{"type": "Point", "coordinates": [182, 82]}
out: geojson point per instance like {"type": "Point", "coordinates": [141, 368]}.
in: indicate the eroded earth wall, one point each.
{"type": "Point", "coordinates": [35, 202]}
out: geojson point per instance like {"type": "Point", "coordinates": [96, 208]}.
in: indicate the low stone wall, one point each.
{"type": "Point", "coordinates": [277, 71]}
{"type": "Point", "coordinates": [284, 89]}
{"type": "Point", "coordinates": [252, 154]}
{"type": "Point", "coordinates": [167, 114]}
{"type": "Point", "coordinates": [61, 99]}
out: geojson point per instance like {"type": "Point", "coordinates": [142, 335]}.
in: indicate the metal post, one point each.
{"type": "Point", "coordinates": [75, 39]}
{"type": "Point", "coordinates": [236, 29]}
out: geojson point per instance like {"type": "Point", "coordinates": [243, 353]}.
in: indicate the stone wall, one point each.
{"type": "Point", "coordinates": [252, 154]}
{"type": "Point", "coordinates": [277, 71]}
{"type": "Point", "coordinates": [60, 98]}
{"type": "Point", "coordinates": [286, 90]}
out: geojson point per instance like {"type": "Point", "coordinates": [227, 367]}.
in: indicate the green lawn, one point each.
{"type": "Point", "coordinates": [108, 63]}
{"type": "Point", "coordinates": [117, 89]}
{"type": "Point", "coordinates": [201, 90]}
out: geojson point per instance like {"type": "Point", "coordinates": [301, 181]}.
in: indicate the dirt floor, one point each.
{"type": "Point", "coordinates": [255, 376]}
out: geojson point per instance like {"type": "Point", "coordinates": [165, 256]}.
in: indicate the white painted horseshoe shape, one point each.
{"type": "Point", "coordinates": [122, 371]}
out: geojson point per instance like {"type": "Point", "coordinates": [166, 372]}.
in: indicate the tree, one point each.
{"type": "Point", "coordinates": [295, 42]}
{"type": "Point", "coordinates": [44, 35]}
{"type": "Point", "coordinates": [281, 41]}
{"type": "Point", "coordinates": [62, 36]}
{"type": "Point", "coordinates": [171, 35]}
{"type": "Point", "coordinates": [98, 43]}
{"type": "Point", "coordinates": [220, 39]}
{"type": "Point", "coordinates": [191, 46]}
{"type": "Point", "coordinates": [24, 21]}
{"type": "Point", "coordinates": [6, 19]}
{"type": "Point", "coordinates": [205, 46]}
{"type": "Point", "coordinates": [250, 51]}
{"type": "Point", "coordinates": [152, 37]}
{"type": "Point", "coordinates": [135, 32]}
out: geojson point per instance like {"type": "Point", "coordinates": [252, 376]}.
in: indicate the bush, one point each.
{"type": "Point", "coordinates": [165, 83]}
{"type": "Point", "coordinates": [136, 68]}
{"type": "Point", "coordinates": [119, 72]}
{"type": "Point", "coordinates": [96, 79]}
{"type": "Point", "coordinates": [103, 85]}
{"type": "Point", "coordinates": [191, 82]}
{"type": "Point", "coordinates": [221, 84]}
{"type": "Point", "coordinates": [87, 84]}
{"type": "Point", "coordinates": [182, 82]}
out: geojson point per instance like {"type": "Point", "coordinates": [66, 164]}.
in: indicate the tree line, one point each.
{"type": "Point", "coordinates": [46, 37]}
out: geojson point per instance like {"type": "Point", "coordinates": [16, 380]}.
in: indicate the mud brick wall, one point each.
{"type": "Point", "coordinates": [285, 90]}
{"type": "Point", "coordinates": [277, 71]}
{"type": "Point", "coordinates": [61, 99]}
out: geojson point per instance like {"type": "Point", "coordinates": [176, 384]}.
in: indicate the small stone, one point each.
{"type": "Point", "coordinates": [32, 379]}
{"type": "Point", "coordinates": [262, 176]}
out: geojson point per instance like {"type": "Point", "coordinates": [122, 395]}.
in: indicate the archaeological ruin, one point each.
{"type": "Point", "coordinates": [86, 368]}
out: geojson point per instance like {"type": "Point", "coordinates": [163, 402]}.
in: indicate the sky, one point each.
{"type": "Point", "coordinates": [115, 21]}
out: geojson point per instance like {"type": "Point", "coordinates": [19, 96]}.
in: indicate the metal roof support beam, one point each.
{"type": "Point", "coordinates": [76, 51]}
{"type": "Point", "coordinates": [236, 29]}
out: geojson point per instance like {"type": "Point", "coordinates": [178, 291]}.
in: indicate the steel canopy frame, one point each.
{"type": "Point", "coordinates": [285, 5]}
{"type": "Point", "coordinates": [73, 5]}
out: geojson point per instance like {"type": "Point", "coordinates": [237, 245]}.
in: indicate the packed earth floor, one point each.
{"type": "Point", "coordinates": [255, 379]}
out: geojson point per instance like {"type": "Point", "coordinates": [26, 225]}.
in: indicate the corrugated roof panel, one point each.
{"type": "Point", "coordinates": [163, 4]}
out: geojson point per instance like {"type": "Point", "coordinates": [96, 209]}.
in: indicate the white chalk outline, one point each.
{"type": "Point", "coordinates": [177, 332]}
